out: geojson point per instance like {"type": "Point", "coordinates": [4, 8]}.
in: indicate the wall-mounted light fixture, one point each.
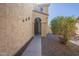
{"type": "Point", "coordinates": [28, 18]}
{"type": "Point", "coordinates": [23, 20]}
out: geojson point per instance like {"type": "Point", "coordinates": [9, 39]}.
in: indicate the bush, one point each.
{"type": "Point", "coordinates": [64, 26]}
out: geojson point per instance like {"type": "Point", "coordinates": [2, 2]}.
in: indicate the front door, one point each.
{"type": "Point", "coordinates": [37, 26]}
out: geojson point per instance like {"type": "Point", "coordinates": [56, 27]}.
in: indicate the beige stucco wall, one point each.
{"type": "Point", "coordinates": [44, 22]}
{"type": "Point", "coordinates": [14, 33]}
{"type": "Point", "coordinates": [77, 30]}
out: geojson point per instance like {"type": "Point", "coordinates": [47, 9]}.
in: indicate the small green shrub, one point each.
{"type": "Point", "coordinates": [64, 26]}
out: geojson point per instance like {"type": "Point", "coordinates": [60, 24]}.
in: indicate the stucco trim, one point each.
{"type": "Point", "coordinates": [40, 12]}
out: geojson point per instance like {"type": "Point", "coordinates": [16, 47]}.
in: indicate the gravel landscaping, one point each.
{"type": "Point", "coordinates": [51, 46]}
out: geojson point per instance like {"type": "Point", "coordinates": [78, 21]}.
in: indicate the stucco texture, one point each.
{"type": "Point", "coordinates": [17, 26]}
{"type": "Point", "coordinates": [14, 33]}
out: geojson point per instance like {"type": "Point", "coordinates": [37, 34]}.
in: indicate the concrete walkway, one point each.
{"type": "Point", "coordinates": [34, 48]}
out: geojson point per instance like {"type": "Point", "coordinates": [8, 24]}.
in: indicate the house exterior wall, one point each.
{"type": "Point", "coordinates": [77, 30]}
{"type": "Point", "coordinates": [44, 22]}
{"type": "Point", "coordinates": [15, 27]}
{"type": "Point", "coordinates": [14, 33]}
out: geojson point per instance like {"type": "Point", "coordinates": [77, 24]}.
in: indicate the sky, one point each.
{"type": "Point", "coordinates": [63, 9]}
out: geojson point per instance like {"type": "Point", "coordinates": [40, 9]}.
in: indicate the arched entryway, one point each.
{"type": "Point", "coordinates": [37, 26]}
